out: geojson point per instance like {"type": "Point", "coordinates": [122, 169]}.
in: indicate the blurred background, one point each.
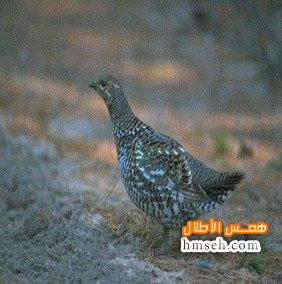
{"type": "Point", "coordinates": [208, 73]}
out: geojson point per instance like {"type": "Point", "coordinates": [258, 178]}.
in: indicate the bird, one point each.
{"type": "Point", "coordinates": [158, 173]}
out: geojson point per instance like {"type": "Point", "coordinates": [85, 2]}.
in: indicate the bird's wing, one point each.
{"type": "Point", "coordinates": [162, 166]}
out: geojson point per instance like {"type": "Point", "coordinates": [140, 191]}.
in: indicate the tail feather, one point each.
{"type": "Point", "coordinates": [218, 191]}
{"type": "Point", "coordinates": [232, 178]}
{"type": "Point", "coordinates": [224, 183]}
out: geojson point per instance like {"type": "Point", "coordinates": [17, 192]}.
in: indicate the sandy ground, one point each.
{"type": "Point", "coordinates": [47, 233]}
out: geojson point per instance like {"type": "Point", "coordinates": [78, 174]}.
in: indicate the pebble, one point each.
{"type": "Point", "coordinates": [204, 263]}
{"type": "Point", "coordinates": [279, 278]}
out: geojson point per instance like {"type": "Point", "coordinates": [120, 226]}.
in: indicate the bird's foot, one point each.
{"type": "Point", "coordinates": [168, 243]}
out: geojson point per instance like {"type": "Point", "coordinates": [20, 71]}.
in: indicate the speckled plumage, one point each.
{"type": "Point", "coordinates": [159, 175]}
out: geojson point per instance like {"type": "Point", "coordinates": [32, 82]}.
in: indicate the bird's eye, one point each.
{"type": "Point", "coordinates": [103, 83]}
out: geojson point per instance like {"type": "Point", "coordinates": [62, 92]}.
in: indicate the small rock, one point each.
{"type": "Point", "coordinates": [279, 278]}
{"type": "Point", "coordinates": [245, 273]}
{"type": "Point", "coordinates": [36, 223]}
{"type": "Point", "coordinates": [246, 151]}
{"type": "Point", "coordinates": [204, 263]}
{"type": "Point", "coordinates": [92, 219]}
{"type": "Point", "coordinates": [96, 219]}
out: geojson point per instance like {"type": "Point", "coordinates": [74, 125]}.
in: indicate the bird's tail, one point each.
{"type": "Point", "coordinates": [223, 183]}
{"type": "Point", "coordinates": [218, 190]}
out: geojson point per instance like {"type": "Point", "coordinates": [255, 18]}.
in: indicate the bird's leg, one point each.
{"type": "Point", "coordinates": [167, 240]}
{"type": "Point", "coordinates": [166, 231]}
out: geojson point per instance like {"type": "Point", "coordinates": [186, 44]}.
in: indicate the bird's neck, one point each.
{"type": "Point", "coordinates": [122, 116]}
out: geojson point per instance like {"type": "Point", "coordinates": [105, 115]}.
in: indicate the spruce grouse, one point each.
{"type": "Point", "coordinates": [159, 175]}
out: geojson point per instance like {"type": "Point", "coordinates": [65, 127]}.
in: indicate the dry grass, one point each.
{"type": "Point", "coordinates": [131, 226]}
{"type": "Point", "coordinates": [126, 221]}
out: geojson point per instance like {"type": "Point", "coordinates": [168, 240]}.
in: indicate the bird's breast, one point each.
{"type": "Point", "coordinates": [123, 163]}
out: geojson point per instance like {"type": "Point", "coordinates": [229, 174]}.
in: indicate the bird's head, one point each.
{"type": "Point", "coordinates": [108, 88]}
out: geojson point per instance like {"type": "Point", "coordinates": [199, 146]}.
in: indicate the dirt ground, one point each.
{"type": "Point", "coordinates": [64, 214]}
